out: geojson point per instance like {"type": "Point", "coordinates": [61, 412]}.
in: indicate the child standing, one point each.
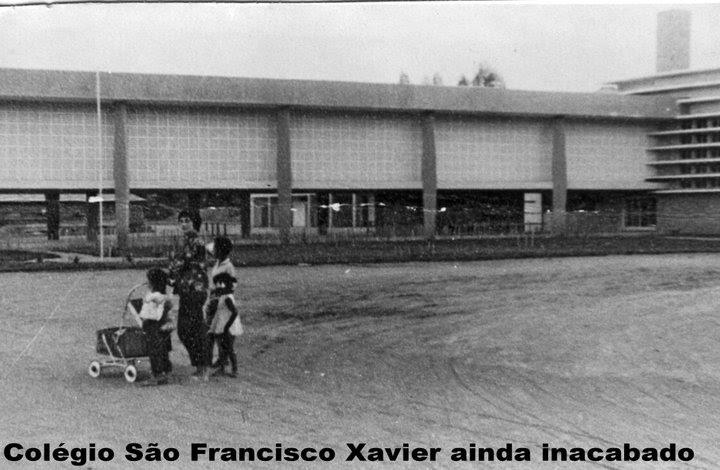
{"type": "Point", "coordinates": [222, 310]}
{"type": "Point", "coordinates": [226, 323]}
{"type": "Point", "coordinates": [157, 326]}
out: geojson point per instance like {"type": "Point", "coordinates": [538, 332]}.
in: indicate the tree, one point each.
{"type": "Point", "coordinates": [404, 78]}
{"type": "Point", "coordinates": [437, 79]}
{"type": "Point", "coordinates": [485, 77]}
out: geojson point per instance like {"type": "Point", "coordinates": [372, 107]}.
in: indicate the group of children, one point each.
{"type": "Point", "coordinates": [220, 313]}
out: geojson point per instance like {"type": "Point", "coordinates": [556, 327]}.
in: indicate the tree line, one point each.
{"type": "Point", "coordinates": [485, 76]}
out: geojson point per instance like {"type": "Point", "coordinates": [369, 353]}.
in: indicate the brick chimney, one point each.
{"type": "Point", "coordinates": [673, 40]}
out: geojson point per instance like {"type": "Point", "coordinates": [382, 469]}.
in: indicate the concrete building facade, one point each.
{"type": "Point", "coordinates": [685, 152]}
{"type": "Point", "coordinates": [283, 147]}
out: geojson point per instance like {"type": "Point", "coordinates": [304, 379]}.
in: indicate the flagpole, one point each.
{"type": "Point", "coordinates": [100, 170]}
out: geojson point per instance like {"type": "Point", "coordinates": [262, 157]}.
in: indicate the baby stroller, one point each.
{"type": "Point", "coordinates": [124, 345]}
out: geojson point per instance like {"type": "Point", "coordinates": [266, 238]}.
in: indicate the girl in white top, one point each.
{"type": "Point", "coordinates": [221, 309]}
{"type": "Point", "coordinates": [226, 323]}
{"type": "Point", "coordinates": [156, 325]}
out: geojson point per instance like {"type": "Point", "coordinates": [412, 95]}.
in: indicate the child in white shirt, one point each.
{"type": "Point", "coordinates": [221, 310]}
{"type": "Point", "coordinates": [157, 326]}
{"type": "Point", "coordinates": [226, 323]}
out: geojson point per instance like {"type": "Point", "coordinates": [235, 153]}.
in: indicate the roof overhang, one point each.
{"type": "Point", "coordinates": [183, 90]}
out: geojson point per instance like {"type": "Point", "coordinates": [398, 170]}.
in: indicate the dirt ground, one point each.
{"type": "Point", "coordinates": [573, 352]}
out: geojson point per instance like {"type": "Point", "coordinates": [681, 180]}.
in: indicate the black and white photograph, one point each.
{"type": "Point", "coordinates": [403, 234]}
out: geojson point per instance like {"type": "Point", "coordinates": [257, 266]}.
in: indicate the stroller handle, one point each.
{"type": "Point", "coordinates": [132, 291]}
{"type": "Point", "coordinates": [123, 318]}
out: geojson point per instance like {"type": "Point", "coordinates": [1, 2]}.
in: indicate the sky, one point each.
{"type": "Point", "coordinates": [533, 46]}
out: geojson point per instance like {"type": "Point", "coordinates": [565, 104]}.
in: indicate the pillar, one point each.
{"type": "Point", "coordinates": [323, 210]}
{"type": "Point", "coordinates": [244, 204]}
{"type": "Point", "coordinates": [371, 210]}
{"type": "Point", "coordinates": [120, 178]}
{"type": "Point", "coordinates": [52, 211]}
{"type": "Point", "coordinates": [429, 175]}
{"type": "Point", "coordinates": [354, 210]}
{"type": "Point", "coordinates": [92, 216]}
{"type": "Point", "coordinates": [284, 174]}
{"type": "Point", "coordinates": [559, 176]}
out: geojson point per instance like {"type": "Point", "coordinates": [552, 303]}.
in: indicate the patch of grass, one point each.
{"type": "Point", "coordinates": [14, 256]}
{"type": "Point", "coordinates": [360, 251]}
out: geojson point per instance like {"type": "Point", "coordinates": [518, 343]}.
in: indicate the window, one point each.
{"type": "Point", "coordinates": [265, 212]}
{"type": "Point", "coordinates": [264, 209]}
{"type": "Point", "coordinates": [640, 212]}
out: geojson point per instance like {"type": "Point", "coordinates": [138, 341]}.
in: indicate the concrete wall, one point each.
{"type": "Point", "coordinates": [689, 214]}
{"type": "Point", "coordinates": [607, 156]}
{"type": "Point", "coordinates": [704, 108]}
{"type": "Point", "coordinates": [201, 148]}
{"type": "Point", "coordinates": [355, 151]}
{"type": "Point", "coordinates": [475, 153]}
{"type": "Point", "coordinates": [53, 146]}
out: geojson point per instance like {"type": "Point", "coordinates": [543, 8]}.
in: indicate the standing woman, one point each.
{"type": "Point", "coordinates": [188, 275]}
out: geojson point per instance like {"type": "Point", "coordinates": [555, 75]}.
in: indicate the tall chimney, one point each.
{"type": "Point", "coordinates": [673, 40]}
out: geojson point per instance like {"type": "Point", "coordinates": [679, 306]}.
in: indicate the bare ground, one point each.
{"type": "Point", "coordinates": [574, 352]}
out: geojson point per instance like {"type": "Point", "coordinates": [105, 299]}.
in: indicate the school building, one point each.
{"type": "Point", "coordinates": [320, 155]}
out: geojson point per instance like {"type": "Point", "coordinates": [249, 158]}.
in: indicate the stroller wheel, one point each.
{"type": "Point", "coordinates": [130, 373]}
{"type": "Point", "coordinates": [94, 369]}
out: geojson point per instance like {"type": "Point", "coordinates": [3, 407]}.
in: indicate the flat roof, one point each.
{"type": "Point", "coordinates": [28, 85]}
{"type": "Point", "coordinates": [675, 80]}
{"type": "Point", "coordinates": [670, 74]}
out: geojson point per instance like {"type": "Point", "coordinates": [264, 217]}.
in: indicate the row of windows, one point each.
{"type": "Point", "coordinates": [345, 210]}
{"type": "Point", "coordinates": [702, 123]}
{"type": "Point", "coordinates": [341, 211]}
{"type": "Point", "coordinates": [699, 153]}
{"type": "Point", "coordinates": [700, 138]}
{"type": "Point", "coordinates": [698, 169]}
{"type": "Point", "coordinates": [705, 183]}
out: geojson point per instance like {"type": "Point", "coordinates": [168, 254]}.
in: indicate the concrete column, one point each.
{"type": "Point", "coordinates": [284, 174]}
{"type": "Point", "coordinates": [322, 213]}
{"type": "Point", "coordinates": [245, 222]}
{"type": "Point", "coordinates": [559, 176]}
{"type": "Point", "coordinates": [354, 209]}
{"type": "Point", "coordinates": [120, 178]}
{"type": "Point", "coordinates": [330, 211]}
{"type": "Point", "coordinates": [92, 216]}
{"type": "Point", "coordinates": [429, 175]}
{"type": "Point", "coordinates": [52, 211]}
